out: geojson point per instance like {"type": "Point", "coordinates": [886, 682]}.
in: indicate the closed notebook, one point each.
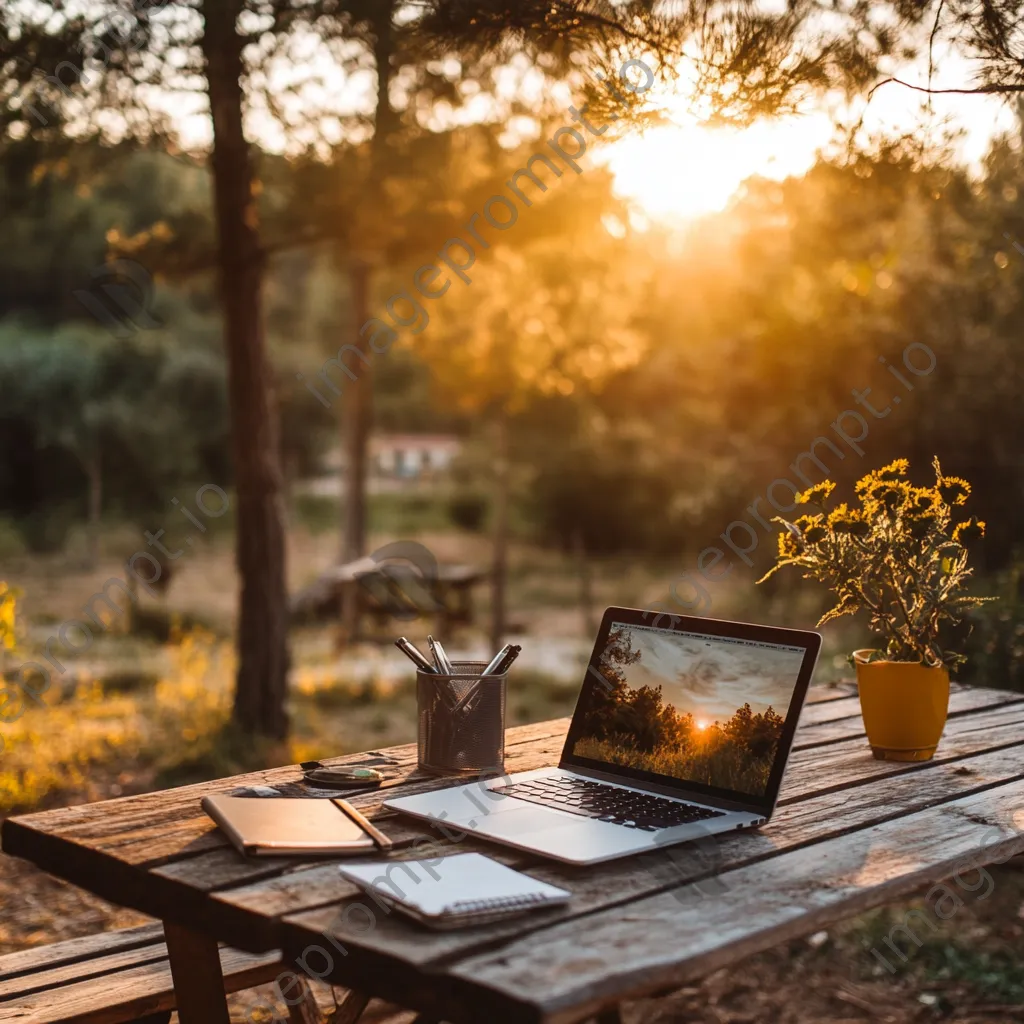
{"type": "Point", "coordinates": [449, 892]}
{"type": "Point", "coordinates": [288, 827]}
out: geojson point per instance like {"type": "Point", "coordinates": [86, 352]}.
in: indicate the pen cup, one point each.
{"type": "Point", "coordinates": [461, 720]}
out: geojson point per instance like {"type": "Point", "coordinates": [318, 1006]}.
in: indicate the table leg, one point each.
{"type": "Point", "coordinates": [198, 981]}
{"type": "Point", "coordinates": [304, 1009]}
{"type": "Point", "coordinates": [351, 1009]}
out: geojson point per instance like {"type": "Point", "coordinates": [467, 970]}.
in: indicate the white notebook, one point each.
{"type": "Point", "coordinates": [462, 889]}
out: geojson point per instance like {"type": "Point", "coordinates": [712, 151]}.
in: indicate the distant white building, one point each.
{"type": "Point", "coordinates": [410, 456]}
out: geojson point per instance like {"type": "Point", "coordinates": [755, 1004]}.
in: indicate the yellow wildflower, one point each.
{"type": "Point", "coordinates": [847, 520]}
{"type": "Point", "coordinates": [972, 530]}
{"type": "Point", "coordinates": [954, 490]}
{"type": "Point", "coordinates": [787, 545]}
{"type": "Point", "coordinates": [894, 470]}
{"type": "Point", "coordinates": [817, 494]}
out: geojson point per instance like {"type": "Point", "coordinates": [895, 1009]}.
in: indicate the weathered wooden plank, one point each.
{"type": "Point", "coordinates": [108, 963]}
{"type": "Point", "coordinates": [59, 954]}
{"type": "Point", "coordinates": [225, 867]}
{"type": "Point", "coordinates": [813, 821]}
{"type": "Point", "coordinates": [181, 886]}
{"type": "Point", "coordinates": [962, 700]}
{"type": "Point", "coordinates": [849, 762]}
{"type": "Point", "coordinates": [829, 711]}
{"type": "Point", "coordinates": [572, 970]}
{"type": "Point", "coordinates": [134, 992]}
{"type": "Point", "coordinates": [155, 828]}
{"type": "Point", "coordinates": [834, 691]}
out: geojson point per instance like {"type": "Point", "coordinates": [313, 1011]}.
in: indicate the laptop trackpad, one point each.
{"type": "Point", "coordinates": [520, 822]}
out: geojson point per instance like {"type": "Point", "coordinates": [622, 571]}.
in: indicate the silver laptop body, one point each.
{"type": "Point", "coordinates": [590, 809]}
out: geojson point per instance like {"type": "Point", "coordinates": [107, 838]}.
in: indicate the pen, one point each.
{"type": "Point", "coordinates": [506, 662]}
{"type": "Point", "coordinates": [444, 666]}
{"type": "Point", "coordinates": [412, 652]}
{"type": "Point", "coordinates": [499, 664]}
{"type": "Point", "coordinates": [497, 660]}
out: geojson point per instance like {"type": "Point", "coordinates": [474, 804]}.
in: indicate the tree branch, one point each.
{"type": "Point", "coordinates": [980, 91]}
{"type": "Point", "coordinates": [931, 46]}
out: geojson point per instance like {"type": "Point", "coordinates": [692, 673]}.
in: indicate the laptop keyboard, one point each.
{"type": "Point", "coordinates": [608, 803]}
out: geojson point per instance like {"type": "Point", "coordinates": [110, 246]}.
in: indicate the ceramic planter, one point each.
{"type": "Point", "coordinates": [904, 706]}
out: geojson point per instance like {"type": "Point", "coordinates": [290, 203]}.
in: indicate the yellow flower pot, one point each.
{"type": "Point", "coordinates": [904, 706]}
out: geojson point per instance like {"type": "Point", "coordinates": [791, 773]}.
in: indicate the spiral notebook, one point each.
{"type": "Point", "coordinates": [450, 892]}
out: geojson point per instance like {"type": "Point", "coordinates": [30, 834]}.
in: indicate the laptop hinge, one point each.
{"type": "Point", "coordinates": [679, 792]}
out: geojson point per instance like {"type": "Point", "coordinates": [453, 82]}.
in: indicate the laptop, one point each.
{"type": "Point", "coordinates": [682, 730]}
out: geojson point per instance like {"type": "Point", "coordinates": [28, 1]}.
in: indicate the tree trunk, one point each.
{"type": "Point", "coordinates": [356, 423]}
{"type": "Point", "coordinates": [586, 582]}
{"type": "Point", "coordinates": [499, 568]}
{"type": "Point", "coordinates": [95, 474]}
{"type": "Point", "coordinates": [260, 548]}
{"type": "Point", "coordinates": [357, 415]}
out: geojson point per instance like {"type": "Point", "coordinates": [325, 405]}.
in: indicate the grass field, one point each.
{"type": "Point", "coordinates": [723, 764]}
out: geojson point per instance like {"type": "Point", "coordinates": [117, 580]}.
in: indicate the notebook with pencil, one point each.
{"type": "Point", "coordinates": [455, 891]}
{"type": "Point", "coordinates": [294, 827]}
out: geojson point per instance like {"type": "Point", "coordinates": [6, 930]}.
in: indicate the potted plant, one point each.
{"type": "Point", "coordinates": [900, 552]}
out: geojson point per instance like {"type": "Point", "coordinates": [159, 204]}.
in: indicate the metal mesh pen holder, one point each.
{"type": "Point", "coordinates": [461, 720]}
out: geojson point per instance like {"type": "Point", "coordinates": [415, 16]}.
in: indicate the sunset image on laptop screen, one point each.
{"type": "Point", "coordinates": [706, 709]}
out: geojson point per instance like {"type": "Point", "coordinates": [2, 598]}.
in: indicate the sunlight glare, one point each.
{"type": "Point", "coordinates": [686, 170]}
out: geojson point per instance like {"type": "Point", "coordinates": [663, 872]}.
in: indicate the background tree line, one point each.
{"type": "Point", "coordinates": [725, 354]}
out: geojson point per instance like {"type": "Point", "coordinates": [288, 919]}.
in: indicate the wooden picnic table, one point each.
{"type": "Point", "coordinates": [851, 833]}
{"type": "Point", "coordinates": [383, 596]}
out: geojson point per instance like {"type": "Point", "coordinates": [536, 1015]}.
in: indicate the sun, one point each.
{"type": "Point", "coordinates": [701, 724]}
{"type": "Point", "coordinates": [684, 170]}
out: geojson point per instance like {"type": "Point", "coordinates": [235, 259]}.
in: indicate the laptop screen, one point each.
{"type": "Point", "coordinates": [694, 707]}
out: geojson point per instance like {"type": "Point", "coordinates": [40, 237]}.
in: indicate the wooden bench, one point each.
{"type": "Point", "coordinates": [110, 978]}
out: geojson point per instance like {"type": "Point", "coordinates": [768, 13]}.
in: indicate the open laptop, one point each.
{"type": "Point", "coordinates": [682, 729]}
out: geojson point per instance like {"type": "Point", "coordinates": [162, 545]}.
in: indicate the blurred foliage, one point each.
{"type": "Point", "coordinates": [995, 648]}
{"type": "Point", "coordinates": [147, 412]}
{"type": "Point", "coordinates": [58, 746]}
{"type": "Point", "coordinates": [8, 620]}
{"type": "Point", "coordinates": [657, 378]}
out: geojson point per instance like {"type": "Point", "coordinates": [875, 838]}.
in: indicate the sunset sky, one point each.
{"type": "Point", "coordinates": [710, 678]}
